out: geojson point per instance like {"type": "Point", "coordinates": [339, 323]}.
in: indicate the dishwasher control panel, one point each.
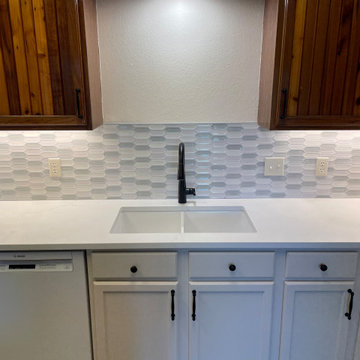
{"type": "Point", "coordinates": [36, 261]}
{"type": "Point", "coordinates": [38, 266]}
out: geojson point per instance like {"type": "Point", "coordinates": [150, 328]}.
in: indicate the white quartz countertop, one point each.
{"type": "Point", "coordinates": [86, 224]}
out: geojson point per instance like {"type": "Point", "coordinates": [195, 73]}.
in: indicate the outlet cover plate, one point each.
{"type": "Point", "coordinates": [274, 166]}
{"type": "Point", "coordinates": [322, 166]}
{"type": "Point", "coordinates": [55, 167]}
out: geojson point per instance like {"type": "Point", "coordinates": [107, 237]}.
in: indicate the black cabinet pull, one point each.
{"type": "Point", "coordinates": [351, 302]}
{"type": "Point", "coordinates": [79, 115]}
{"type": "Point", "coordinates": [134, 269]}
{"type": "Point", "coordinates": [172, 305]}
{"type": "Point", "coordinates": [232, 267]}
{"type": "Point", "coordinates": [323, 267]}
{"type": "Point", "coordinates": [194, 306]}
{"type": "Point", "coordinates": [285, 101]}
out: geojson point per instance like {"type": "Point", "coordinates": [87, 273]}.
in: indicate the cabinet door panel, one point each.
{"type": "Point", "coordinates": [42, 74]}
{"type": "Point", "coordinates": [233, 321]}
{"type": "Point", "coordinates": [133, 321]}
{"type": "Point", "coordinates": [315, 79]}
{"type": "Point", "coordinates": [317, 62]}
{"type": "Point", "coordinates": [314, 323]}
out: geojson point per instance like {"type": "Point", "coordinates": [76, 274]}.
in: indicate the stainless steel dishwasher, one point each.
{"type": "Point", "coordinates": [44, 311]}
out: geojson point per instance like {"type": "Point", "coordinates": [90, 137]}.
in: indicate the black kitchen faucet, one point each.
{"type": "Point", "coordinates": [183, 191]}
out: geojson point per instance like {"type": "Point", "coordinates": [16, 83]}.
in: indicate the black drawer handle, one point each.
{"type": "Point", "coordinates": [172, 305]}
{"type": "Point", "coordinates": [232, 267]}
{"type": "Point", "coordinates": [78, 91]}
{"type": "Point", "coordinates": [351, 303]}
{"type": "Point", "coordinates": [193, 316]}
{"type": "Point", "coordinates": [134, 269]}
{"type": "Point", "coordinates": [323, 267]}
{"type": "Point", "coordinates": [284, 93]}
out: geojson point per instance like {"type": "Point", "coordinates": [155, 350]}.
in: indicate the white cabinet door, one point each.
{"type": "Point", "coordinates": [314, 323]}
{"type": "Point", "coordinates": [231, 320]}
{"type": "Point", "coordinates": [133, 321]}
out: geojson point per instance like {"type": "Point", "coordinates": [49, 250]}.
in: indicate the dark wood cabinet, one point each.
{"type": "Point", "coordinates": [310, 73]}
{"type": "Point", "coordinates": [49, 65]}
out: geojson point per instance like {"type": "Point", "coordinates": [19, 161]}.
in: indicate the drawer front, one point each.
{"type": "Point", "coordinates": [232, 265]}
{"type": "Point", "coordinates": [321, 265]}
{"type": "Point", "coordinates": [134, 266]}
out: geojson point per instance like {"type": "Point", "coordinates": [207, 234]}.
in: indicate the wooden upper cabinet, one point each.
{"type": "Point", "coordinates": [49, 65]}
{"type": "Point", "coordinates": [310, 72]}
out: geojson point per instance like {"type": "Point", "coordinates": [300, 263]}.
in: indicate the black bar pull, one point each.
{"type": "Point", "coordinates": [351, 303]}
{"type": "Point", "coordinates": [78, 103]}
{"type": "Point", "coordinates": [285, 101]}
{"type": "Point", "coordinates": [194, 306]}
{"type": "Point", "coordinates": [172, 305]}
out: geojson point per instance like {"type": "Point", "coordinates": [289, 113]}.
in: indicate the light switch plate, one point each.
{"type": "Point", "coordinates": [54, 167]}
{"type": "Point", "coordinates": [274, 166]}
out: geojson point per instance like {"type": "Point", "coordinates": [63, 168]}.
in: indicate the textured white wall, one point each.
{"type": "Point", "coordinates": [166, 61]}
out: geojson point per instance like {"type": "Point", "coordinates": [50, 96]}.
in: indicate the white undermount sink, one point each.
{"type": "Point", "coordinates": [162, 219]}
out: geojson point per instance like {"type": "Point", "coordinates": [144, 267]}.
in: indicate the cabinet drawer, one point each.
{"type": "Point", "coordinates": [231, 265]}
{"type": "Point", "coordinates": [321, 265]}
{"type": "Point", "coordinates": [134, 266]}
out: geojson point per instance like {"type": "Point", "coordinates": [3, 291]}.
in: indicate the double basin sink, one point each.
{"type": "Point", "coordinates": [169, 219]}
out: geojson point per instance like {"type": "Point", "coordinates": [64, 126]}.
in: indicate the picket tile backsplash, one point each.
{"type": "Point", "coordinates": [140, 162]}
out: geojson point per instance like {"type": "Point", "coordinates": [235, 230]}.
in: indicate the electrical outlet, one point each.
{"type": "Point", "coordinates": [54, 167]}
{"type": "Point", "coordinates": [274, 166]}
{"type": "Point", "coordinates": [322, 165]}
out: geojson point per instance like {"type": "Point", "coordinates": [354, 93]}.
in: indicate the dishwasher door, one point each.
{"type": "Point", "coordinates": [44, 312]}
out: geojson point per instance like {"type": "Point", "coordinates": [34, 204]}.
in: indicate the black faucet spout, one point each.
{"type": "Point", "coordinates": [183, 191]}
{"type": "Point", "coordinates": [181, 165]}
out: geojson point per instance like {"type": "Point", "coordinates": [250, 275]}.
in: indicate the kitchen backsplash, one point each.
{"type": "Point", "coordinates": [140, 162]}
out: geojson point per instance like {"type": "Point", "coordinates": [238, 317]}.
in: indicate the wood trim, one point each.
{"type": "Point", "coordinates": [270, 63]}
{"type": "Point", "coordinates": [323, 122]}
{"type": "Point", "coordinates": [33, 122]}
{"type": "Point", "coordinates": [91, 62]}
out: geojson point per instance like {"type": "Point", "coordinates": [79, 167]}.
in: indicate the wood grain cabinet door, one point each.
{"type": "Point", "coordinates": [42, 75]}
{"type": "Point", "coordinates": [317, 66]}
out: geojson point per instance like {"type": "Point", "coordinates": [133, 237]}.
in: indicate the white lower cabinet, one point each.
{"type": "Point", "coordinates": [230, 320]}
{"type": "Point", "coordinates": [314, 323]}
{"type": "Point", "coordinates": [224, 305]}
{"type": "Point", "coordinates": [135, 321]}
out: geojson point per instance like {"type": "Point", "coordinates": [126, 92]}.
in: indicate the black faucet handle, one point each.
{"type": "Point", "coordinates": [191, 191]}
